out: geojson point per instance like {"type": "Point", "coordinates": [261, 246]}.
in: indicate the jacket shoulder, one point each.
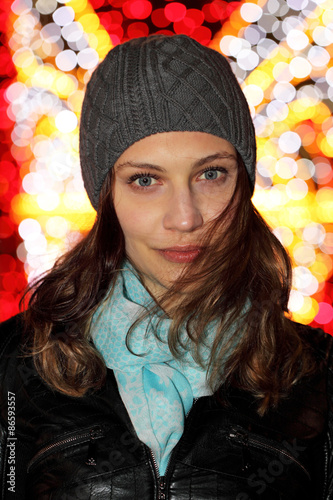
{"type": "Point", "coordinates": [11, 336]}
{"type": "Point", "coordinates": [11, 333]}
{"type": "Point", "coordinates": [317, 340]}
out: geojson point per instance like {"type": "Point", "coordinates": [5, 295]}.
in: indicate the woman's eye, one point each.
{"type": "Point", "coordinates": [211, 174]}
{"type": "Point", "coordinates": [142, 180]}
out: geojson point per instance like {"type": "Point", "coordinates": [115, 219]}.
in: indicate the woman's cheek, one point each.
{"type": "Point", "coordinates": [137, 222]}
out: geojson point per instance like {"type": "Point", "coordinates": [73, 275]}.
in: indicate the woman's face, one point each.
{"type": "Point", "coordinates": [167, 187]}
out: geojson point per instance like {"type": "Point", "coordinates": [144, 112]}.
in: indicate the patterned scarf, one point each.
{"type": "Point", "coordinates": [157, 389]}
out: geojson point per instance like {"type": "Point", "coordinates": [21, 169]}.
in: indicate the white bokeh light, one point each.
{"type": "Point", "coordinates": [36, 245]}
{"type": "Point", "coordinates": [297, 4]}
{"type": "Point", "coordinates": [314, 233]}
{"type": "Point", "coordinates": [88, 58]}
{"type": "Point", "coordinates": [286, 167]}
{"type": "Point", "coordinates": [254, 94]}
{"type": "Point", "coordinates": [46, 6]}
{"type": "Point", "coordinates": [251, 12]}
{"type": "Point", "coordinates": [20, 7]}
{"type": "Point", "coordinates": [323, 36]}
{"type": "Point", "coordinates": [247, 59]}
{"type": "Point", "coordinates": [231, 45]}
{"type": "Point", "coordinates": [318, 57]}
{"type": "Point", "coordinates": [277, 111]}
{"type": "Point", "coordinates": [300, 67]}
{"type": "Point", "coordinates": [51, 32]}
{"type": "Point", "coordinates": [284, 91]}
{"type": "Point", "coordinates": [296, 301]}
{"type": "Point", "coordinates": [72, 32]}
{"type": "Point", "coordinates": [63, 16]}
{"type": "Point", "coordinates": [66, 60]}
{"type": "Point", "coordinates": [28, 228]}
{"type": "Point", "coordinates": [48, 201]}
{"type": "Point", "coordinates": [289, 142]}
{"type": "Point", "coordinates": [266, 166]}
{"type": "Point", "coordinates": [281, 72]}
{"type": "Point", "coordinates": [66, 121]}
{"type": "Point", "coordinates": [297, 189]}
{"type": "Point", "coordinates": [284, 235]}
{"type": "Point", "coordinates": [297, 40]}
{"type": "Point", "coordinates": [57, 227]}
{"type": "Point", "coordinates": [302, 278]}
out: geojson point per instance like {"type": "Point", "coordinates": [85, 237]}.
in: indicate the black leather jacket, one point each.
{"type": "Point", "coordinates": [59, 447]}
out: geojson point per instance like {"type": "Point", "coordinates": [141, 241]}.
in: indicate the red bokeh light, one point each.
{"type": "Point", "coordinates": [115, 39]}
{"type": "Point", "coordinates": [158, 18]}
{"type": "Point", "coordinates": [202, 35]}
{"type": "Point", "coordinates": [7, 67]}
{"type": "Point", "coordinates": [7, 263]}
{"type": "Point", "coordinates": [175, 11]}
{"type": "Point", "coordinates": [183, 28]}
{"type": "Point", "coordinates": [193, 19]}
{"type": "Point", "coordinates": [6, 227]}
{"type": "Point", "coordinates": [136, 30]}
{"type": "Point", "coordinates": [164, 32]}
{"type": "Point", "coordinates": [117, 3]}
{"type": "Point", "coordinates": [196, 16]}
{"type": "Point", "coordinates": [5, 122]}
{"type": "Point", "coordinates": [207, 13]}
{"type": "Point", "coordinates": [218, 10]}
{"type": "Point", "coordinates": [4, 185]}
{"type": "Point", "coordinates": [111, 20]}
{"type": "Point", "coordinates": [221, 10]}
{"type": "Point", "coordinates": [116, 35]}
{"type": "Point", "coordinates": [137, 9]}
{"type": "Point", "coordinates": [13, 282]}
{"type": "Point", "coordinates": [7, 170]}
{"type": "Point", "coordinates": [8, 305]}
{"type": "Point", "coordinates": [96, 4]}
{"type": "Point", "coordinates": [325, 313]}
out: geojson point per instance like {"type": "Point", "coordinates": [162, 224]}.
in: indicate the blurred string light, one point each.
{"type": "Point", "coordinates": [54, 61]}
{"type": "Point", "coordinates": [284, 60]}
{"type": "Point", "coordinates": [281, 52]}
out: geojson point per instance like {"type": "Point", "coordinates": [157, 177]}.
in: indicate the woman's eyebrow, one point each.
{"type": "Point", "coordinates": [216, 156]}
{"type": "Point", "coordinates": [134, 164]}
{"type": "Point", "coordinates": [198, 163]}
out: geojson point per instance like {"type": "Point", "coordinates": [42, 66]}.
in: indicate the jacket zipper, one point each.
{"type": "Point", "coordinates": [90, 435]}
{"type": "Point", "coordinates": [243, 438]}
{"type": "Point", "coordinates": [161, 481]}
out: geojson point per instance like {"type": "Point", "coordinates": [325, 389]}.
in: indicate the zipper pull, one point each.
{"type": "Point", "coordinates": [92, 449]}
{"type": "Point", "coordinates": [242, 437]}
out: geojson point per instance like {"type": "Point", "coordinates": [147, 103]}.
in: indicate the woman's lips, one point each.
{"type": "Point", "coordinates": [181, 255]}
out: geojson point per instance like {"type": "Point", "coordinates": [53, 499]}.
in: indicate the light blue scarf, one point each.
{"type": "Point", "coordinates": [157, 389]}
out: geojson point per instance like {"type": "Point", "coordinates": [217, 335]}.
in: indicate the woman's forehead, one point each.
{"type": "Point", "coordinates": [187, 146]}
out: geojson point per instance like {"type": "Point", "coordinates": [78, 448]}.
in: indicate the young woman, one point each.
{"type": "Point", "coordinates": [156, 359]}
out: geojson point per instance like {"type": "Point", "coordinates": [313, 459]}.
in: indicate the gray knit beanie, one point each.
{"type": "Point", "coordinates": [160, 84]}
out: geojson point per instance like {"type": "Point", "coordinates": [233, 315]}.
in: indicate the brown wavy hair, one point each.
{"type": "Point", "coordinates": [242, 281]}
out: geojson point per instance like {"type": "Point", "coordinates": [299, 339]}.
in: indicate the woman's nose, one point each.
{"type": "Point", "coordinates": [182, 212]}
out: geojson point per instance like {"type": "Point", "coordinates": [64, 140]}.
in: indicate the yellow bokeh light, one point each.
{"type": "Point", "coordinates": [64, 85]}
{"type": "Point", "coordinates": [77, 5]}
{"type": "Point", "coordinates": [307, 312]}
{"type": "Point", "coordinates": [45, 126]}
{"type": "Point", "coordinates": [90, 22]}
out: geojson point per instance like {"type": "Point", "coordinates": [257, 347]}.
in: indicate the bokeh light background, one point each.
{"type": "Point", "coordinates": [282, 54]}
